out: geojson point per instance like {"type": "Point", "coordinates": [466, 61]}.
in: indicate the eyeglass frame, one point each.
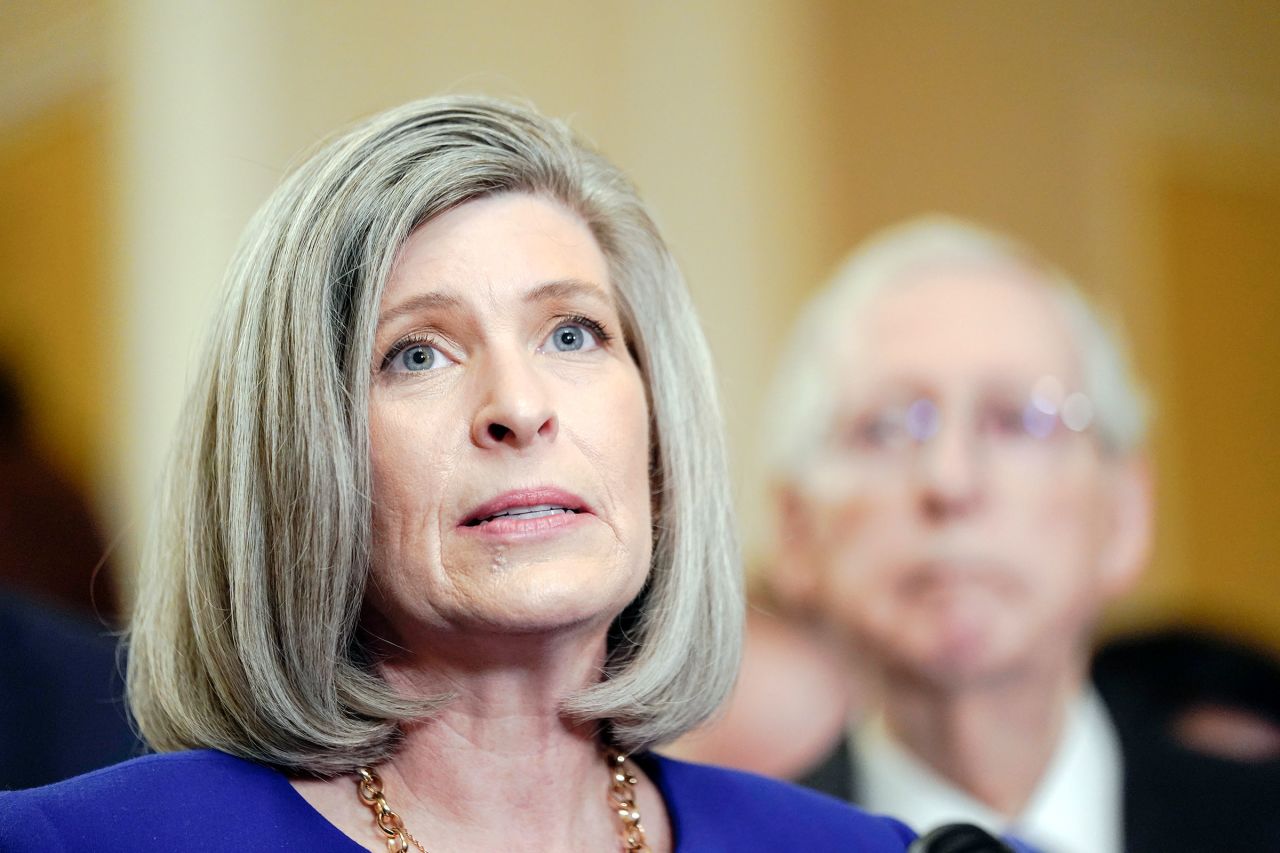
{"type": "Point", "coordinates": [1048, 415]}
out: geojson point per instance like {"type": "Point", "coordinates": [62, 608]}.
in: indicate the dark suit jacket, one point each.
{"type": "Point", "coordinates": [61, 696]}
{"type": "Point", "coordinates": [1175, 798]}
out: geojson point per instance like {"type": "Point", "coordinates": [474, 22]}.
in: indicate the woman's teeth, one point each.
{"type": "Point", "coordinates": [540, 511]}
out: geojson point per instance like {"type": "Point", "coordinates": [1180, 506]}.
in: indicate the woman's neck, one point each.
{"type": "Point", "coordinates": [498, 767]}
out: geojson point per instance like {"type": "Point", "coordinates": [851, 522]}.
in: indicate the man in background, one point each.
{"type": "Point", "coordinates": [962, 488]}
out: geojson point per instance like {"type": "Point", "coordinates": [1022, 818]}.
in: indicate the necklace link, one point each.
{"type": "Point", "coordinates": [622, 792]}
{"type": "Point", "coordinates": [622, 798]}
{"type": "Point", "coordinates": [369, 785]}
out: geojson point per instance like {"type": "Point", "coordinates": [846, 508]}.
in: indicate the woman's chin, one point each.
{"type": "Point", "coordinates": [568, 600]}
{"type": "Point", "coordinates": [533, 594]}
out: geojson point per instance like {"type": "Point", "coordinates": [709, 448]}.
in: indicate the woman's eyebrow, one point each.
{"type": "Point", "coordinates": [417, 304]}
{"type": "Point", "coordinates": [566, 289]}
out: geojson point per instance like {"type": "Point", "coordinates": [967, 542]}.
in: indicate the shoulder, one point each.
{"type": "Point", "coordinates": [63, 711]}
{"type": "Point", "coordinates": [714, 808]}
{"type": "Point", "coordinates": [179, 774]}
{"type": "Point", "coordinates": [193, 800]}
{"type": "Point", "coordinates": [1184, 704]}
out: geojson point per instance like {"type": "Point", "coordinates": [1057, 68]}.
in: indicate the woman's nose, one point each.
{"type": "Point", "coordinates": [516, 410]}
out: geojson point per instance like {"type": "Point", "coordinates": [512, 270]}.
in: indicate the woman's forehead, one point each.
{"type": "Point", "coordinates": [495, 248]}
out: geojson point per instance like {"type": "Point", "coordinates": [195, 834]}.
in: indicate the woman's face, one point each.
{"type": "Point", "coordinates": [508, 428]}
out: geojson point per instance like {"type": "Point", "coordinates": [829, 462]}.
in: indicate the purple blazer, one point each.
{"type": "Point", "coordinates": [209, 801]}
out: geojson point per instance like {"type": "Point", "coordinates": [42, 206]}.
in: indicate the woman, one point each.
{"type": "Point", "coordinates": [449, 534]}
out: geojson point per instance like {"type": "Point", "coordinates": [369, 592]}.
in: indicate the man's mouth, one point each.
{"type": "Point", "coordinates": [953, 573]}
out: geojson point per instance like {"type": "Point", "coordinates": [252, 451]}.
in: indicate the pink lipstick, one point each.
{"type": "Point", "coordinates": [526, 512]}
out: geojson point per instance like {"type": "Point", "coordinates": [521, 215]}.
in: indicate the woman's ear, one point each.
{"type": "Point", "coordinates": [1128, 548]}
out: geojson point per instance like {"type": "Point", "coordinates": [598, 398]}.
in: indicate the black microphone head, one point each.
{"type": "Point", "coordinates": [959, 838]}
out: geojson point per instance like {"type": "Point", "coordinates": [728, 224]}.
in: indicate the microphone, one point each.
{"type": "Point", "coordinates": [959, 838]}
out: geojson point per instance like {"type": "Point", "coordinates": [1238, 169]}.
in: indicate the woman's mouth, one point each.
{"type": "Point", "coordinates": [523, 513]}
{"type": "Point", "coordinates": [527, 513]}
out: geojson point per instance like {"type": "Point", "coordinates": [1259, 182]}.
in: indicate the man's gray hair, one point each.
{"type": "Point", "coordinates": [802, 403]}
{"type": "Point", "coordinates": [246, 636]}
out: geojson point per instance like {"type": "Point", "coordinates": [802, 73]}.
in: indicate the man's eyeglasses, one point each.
{"type": "Point", "coordinates": [999, 426]}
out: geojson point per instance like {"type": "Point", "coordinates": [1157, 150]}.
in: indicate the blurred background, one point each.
{"type": "Point", "coordinates": [1136, 143]}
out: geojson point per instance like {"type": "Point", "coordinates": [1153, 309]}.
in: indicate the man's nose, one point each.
{"type": "Point", "coordinates": [516, 408]}
{"type": "Point", "coordinates": [950, 472]}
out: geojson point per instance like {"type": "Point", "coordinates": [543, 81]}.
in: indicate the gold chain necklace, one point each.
{"type": "Point", "coordinates": [622, 797]}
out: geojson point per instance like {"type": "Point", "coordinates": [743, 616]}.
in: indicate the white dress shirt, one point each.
{"type": "Point", "coordinates": [1076, 808]}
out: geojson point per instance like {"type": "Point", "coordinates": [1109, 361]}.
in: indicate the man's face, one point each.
{"type": "Point", "coordinates": [957, 531]}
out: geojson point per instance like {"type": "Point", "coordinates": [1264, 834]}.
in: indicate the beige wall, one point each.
{"type": "Point", "coordinates": [1223, 277]}
{"type": "Point", "coordinates": [769, 136]}
{"type": "Point", "coordinates": [57, 335]}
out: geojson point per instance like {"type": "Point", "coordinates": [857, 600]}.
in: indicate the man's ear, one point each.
{"type": "Point", "coordinates": [1128, 549]}
{"type": "Point", "coordinates": [795, 575]}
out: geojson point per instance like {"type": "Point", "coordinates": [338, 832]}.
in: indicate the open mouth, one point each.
{"type": "Point", "coordinates": [523, 512]}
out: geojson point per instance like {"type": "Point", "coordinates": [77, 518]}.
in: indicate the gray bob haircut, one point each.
{"type": "Point", "coordinates": [246, 636]}
{"type": "Point", "coordinates": [802, 404]}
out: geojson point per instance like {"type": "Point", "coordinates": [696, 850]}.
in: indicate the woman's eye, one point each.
{"type": "Point", "coordinates": [571, 337]}
{"type": "Point", "coordinates": [416, 358]}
